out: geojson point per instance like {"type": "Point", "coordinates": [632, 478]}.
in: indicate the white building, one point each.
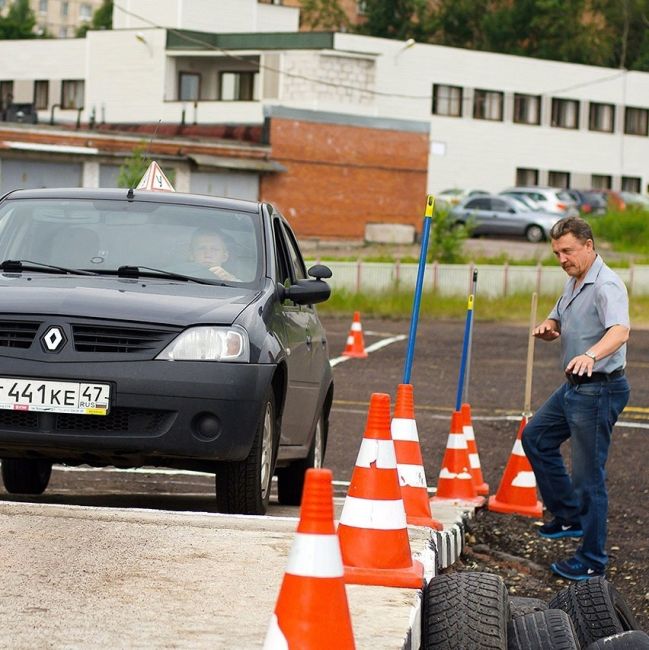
{"type": "Point", "coordinates": [495, 120]}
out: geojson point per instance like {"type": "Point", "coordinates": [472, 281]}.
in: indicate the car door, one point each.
{"type": "Point", "coordinates": [476, 215]}
{"type": "Point", "coordinates": [506, 220]}
{"type": "Point", "coordinates": [303, 340]}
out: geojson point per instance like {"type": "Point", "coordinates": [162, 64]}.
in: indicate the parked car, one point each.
{"type": "Point", "coordinates": [504, 216]}
{"type": "Point", "coordinates": [589, 202]}
{"type": "Point", "coordinates": [109, 355]}
{"type": "Point", "coordinates": [613, 198]}
{"type": "Point", "coordinates": [633, 199]}
{"type": "Point", "coordinates": [456, 195]}
{"type": "Point", "coordinates": [550, 199]}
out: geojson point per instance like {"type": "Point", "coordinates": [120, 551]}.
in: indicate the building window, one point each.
{"type": "Point", "coordinates": [601, 182]}
{"type": "Point", "coordinates": [65, 9]}
{"type": "Point", "coordinates": [565, 113]}
{"type": "Point", "coordinates": [239, 86]}
{"type": "Point", "coordinates": [636, 121]}
{"type": "Point", "coordinates": [631, 184]}
{"type": "Point", "coordinates": [42, 6]}
{"type": "Point", "coordinates": [41, 94]}
{"type": "Point", "coordinates": [72, 93]}
{"type": "Point", "coordinates": [527, 109]}
{"type": "Point", "coordinates": [525, 177]}
{"type": "Point", "coordinates": [6, 94]}
{"type": "Point", "coordinates": [488, 105]}
{"type": "Point", "coordinates": [559, 179]}
{"type": "Point", "coordinates": [189, 86]}
{"type": "Point", "coordinates": [447, 100]}
{"type": "Point", "coordinates": [601, 117]}
{"type": "Point", "coordinates": [85, 12]}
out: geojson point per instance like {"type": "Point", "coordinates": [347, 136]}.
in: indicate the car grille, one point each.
{"type": "Point", "coordinates": [106, 338]}
{"type": "Point", "coordinates": [135, 421]}
{"type": "Point", "coordinates": [17, 334]}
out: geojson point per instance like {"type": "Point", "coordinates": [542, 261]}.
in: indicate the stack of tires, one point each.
{"type": "Point", "coordinates": [473, 610]}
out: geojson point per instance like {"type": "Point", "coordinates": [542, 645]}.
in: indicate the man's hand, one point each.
{"type": "Point", "coordinates": [547, 330]}
{"type": "Point", "coordinates": [580, 365]}
{"type": "Point", "coordinates": [222, 274]}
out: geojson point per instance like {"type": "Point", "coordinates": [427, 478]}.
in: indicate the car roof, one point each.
{"type": "Point", "coordinates": [123, 194]}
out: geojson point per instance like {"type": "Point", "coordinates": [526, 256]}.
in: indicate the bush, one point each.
{"type": "Point", "coordinates": [446, 238]}
{"type": "Point", "coordinates": [626, 230]}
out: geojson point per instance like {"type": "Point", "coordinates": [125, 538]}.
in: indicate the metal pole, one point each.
{"type": "Point", "coordinates": [527, 407]}
{"type": "Point", "coordinates": [465, 351]}
{"type": "Point", "coordinates": [465, 388]}
{"type": "Point", "coordinates": [428, 217]}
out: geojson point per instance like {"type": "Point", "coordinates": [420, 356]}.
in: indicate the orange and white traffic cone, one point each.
{"type": "Point", "coordinates": [355, 346]}
{"type": "Point", "coordinates": [481, 487]}
{"type": "Point", "coordinates": [410, 464]}
{"type": "Point", "coordinates": [312, 600]}
{"type": "Point", "coordinates": [455, 482]}
{"type": "Point", "coordinates": [517, 490]}
{"type": "Point", "coordinates": [372, 530]}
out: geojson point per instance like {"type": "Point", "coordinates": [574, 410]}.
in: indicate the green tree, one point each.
{"type": "Point", "coordinates": [446, 238]}
{"type": "Point", "coordinates": [398, 19]}
{"type": "Point", "coordinates": [131, 172]}
{"type": "Point", "coordinates": [323, 14]}
{"type": "Point", "coordinates": [19, 21]}
{"type": "Point", "coordinates": [101, 19]}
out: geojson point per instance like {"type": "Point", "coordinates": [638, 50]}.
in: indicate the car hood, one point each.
{"type": "Point", "coordinates": [149, 300]}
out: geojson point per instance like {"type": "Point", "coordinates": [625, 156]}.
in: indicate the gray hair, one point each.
{"type": "Point", "coordinates": [576, 226]}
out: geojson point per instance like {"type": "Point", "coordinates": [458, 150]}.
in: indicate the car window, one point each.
{"type": "Point", "coordinates": [102, 235]}
{"type": "Point", "coordinates": [499, 205]}
{"type": "Point", "coordinates": [564, 196]}
{"type": "Point", "coordinates": [282, 263]}
{"type": "Point", "coordinates": [478, 204]}
{"type": "Point", "coordinates": [295, 257]}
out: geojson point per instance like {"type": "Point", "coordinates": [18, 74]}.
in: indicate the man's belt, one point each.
{"type": "Point", "coordinates": [575, 380]}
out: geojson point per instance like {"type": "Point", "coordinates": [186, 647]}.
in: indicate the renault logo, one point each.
{"type": "Point", "coordinates": [53, 339]}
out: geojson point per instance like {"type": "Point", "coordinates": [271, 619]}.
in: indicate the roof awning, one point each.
{"type": "Point", "coordinates": [241, 164]}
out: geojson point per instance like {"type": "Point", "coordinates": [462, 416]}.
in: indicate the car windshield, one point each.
{"type": "Point", "coordinates": [103, 235]}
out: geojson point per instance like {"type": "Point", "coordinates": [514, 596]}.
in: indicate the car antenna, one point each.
{"type": "Point", "coordinates": [130, 194]}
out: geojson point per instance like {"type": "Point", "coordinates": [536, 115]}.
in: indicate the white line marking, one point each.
{"type": "Point", "coordinates": [371, 348]}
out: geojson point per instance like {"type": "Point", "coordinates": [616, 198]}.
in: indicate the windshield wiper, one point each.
{"type": "Point", "coordinates": [138, 271]}
{"type": "Point", "coordinates": [18, 266]}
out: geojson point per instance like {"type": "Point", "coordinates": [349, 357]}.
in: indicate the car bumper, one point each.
{"type": "Point", "coordinates": [177, 414]}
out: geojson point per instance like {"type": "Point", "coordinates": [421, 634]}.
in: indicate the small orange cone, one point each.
{"type": "Point", "coordinates": [474, 459]}
{"type": "Point", "coordinates": [312, 603]}
{"type": "Point", "coordinates": [372, 530]}
{"type": "Point", "coordinates": [517, 490]}
{"type": "Point", "coordinates": [355, 346]}
{"type": "Point", "coordinates": [455, 482]}
{"type": "Point", "coordinates": [410, 464]}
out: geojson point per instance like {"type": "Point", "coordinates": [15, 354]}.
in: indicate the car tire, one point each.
{"type": "Point", "coordinates": [520, 605]}
{"type": "Point", "coordinates": [26, 475]}
{"type": "Point", "coordinates": [534, 234]}
{"type": "Point", "coordinates": [243, 487]}
{"type": "Point", "coordinates": [290, 479]}
{"type": "Point", "coordinates": [465, 610]}
{"type": "Point", "coordinates": [596, 608]}
{"type": "Point", "coordinates": [549, 629]}
{"type": "Point", "coordinates": [631, 640]}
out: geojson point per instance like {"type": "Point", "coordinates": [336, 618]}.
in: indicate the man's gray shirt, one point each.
{"type": "Point", "coordinates": [600, 302]}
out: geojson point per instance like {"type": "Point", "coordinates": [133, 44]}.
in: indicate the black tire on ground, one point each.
{"type": "Point", "coordinates": [519, 605]}
{"type": "Point", "coordinates": [243, 487]}
{"type": "Point", "coordinates": [465, 610]}
{"type": "Point", "coordinates": [596, 608]}
{"type": "Point", "coordinates": [549, 629]}
{"type": "Point", "coordinates": [290, 479]}
{"type": "Point", "coordinates": [632, 640]}
{"type": "Point", "coordinates": [534, 234]}
{"type": "Point", "coordinates": [26, 475]}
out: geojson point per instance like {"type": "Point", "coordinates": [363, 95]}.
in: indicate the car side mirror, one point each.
{"type": "Point", "coordinates": [319, 271]}
{"type": "Point", "coordinates": [308, 292]}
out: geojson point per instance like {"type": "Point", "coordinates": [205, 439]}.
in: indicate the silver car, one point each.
{"type": "Point", "coordinates": [504, 216]}
{"type": "Point", "coordinates": [549, 199]}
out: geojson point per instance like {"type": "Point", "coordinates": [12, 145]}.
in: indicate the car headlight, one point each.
{"type": "Point", "coordinates": [208, 343]}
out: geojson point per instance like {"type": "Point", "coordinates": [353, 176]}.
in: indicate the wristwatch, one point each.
{"type": "Point", "coordinates": [588, 353]}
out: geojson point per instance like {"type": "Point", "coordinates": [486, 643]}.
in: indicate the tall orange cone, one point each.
{"type": "Point", "coordinates": [455, 482]}
{"type": "Point", "coordinates": [312, 601]}
{"type": "Point", "coordinates": [517, 490]}
{"type": "Point", "coordinates": [355, 346]}
{"type": "Point", "coordinates": [410, 464]}
{"type": "Point", "coordinates": [481, 487]}
{"type": "Point", "coordinates": [372, 530]}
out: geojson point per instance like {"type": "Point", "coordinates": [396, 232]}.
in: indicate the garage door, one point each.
{"type": "Point", "coordinates": [235, 185]}
{"type": "Point", "coordinates": [30, 174]}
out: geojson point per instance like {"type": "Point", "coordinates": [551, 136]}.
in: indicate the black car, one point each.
{"type": "Point", "coordinates": [120, 345]}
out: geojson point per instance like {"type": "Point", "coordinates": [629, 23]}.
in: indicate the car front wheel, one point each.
{"type": "Point", "coordinates": [243, 487]}
{"type": "Point", "coordinates": [534, 234]}
{"type": "Point", "coordinates": [25, 475]}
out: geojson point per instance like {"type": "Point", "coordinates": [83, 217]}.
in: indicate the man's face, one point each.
{"type": "Point", "coordinates": [574, 255]}
{"type": "Point", "coordinates": [209, 250]}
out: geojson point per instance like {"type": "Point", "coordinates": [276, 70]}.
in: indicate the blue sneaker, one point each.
{"type": "Point", "coordinates": [573, 569]}
{"type": "Point", "coordinates": [556, 529]}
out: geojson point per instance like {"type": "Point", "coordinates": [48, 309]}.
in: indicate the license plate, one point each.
{"type": "Point", "coordinates": [54, 396]}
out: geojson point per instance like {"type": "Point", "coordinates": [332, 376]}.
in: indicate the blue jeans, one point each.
{"type": "Point", "coordinates": [585, 413]}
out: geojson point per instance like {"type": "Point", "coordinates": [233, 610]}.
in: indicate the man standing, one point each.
{"type": "Point", "coordinates": [592, 319]}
